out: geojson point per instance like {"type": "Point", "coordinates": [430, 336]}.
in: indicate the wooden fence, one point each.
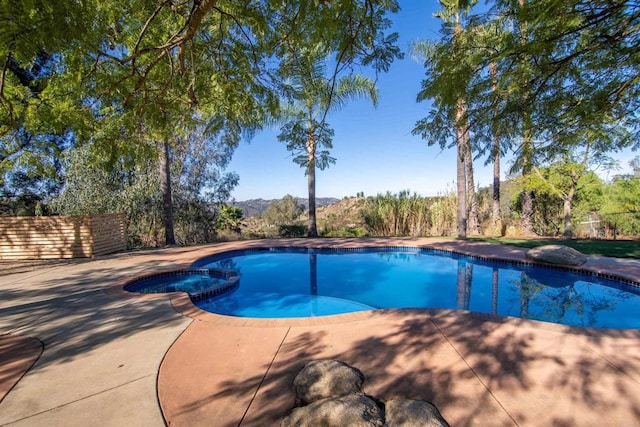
{"type": "Point", "coordinates": [55, 237]}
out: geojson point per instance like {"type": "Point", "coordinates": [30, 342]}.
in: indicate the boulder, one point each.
{"type": "Point", "coordinates": [320, 379]}
{"type": "Point", "coordinates": [400, 412]}
{"type": "Point", "coordinates": [354, 410]}
{"type": "Point", "coordinates": [556, 254]}
{"type": "Point", "coordinates": [328, 393]}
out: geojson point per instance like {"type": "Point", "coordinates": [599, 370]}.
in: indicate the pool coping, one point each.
{"type": "Point", "coordinates": [490, 252]}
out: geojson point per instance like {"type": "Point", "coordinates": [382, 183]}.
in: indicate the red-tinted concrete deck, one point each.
{"type": "Point", "coordinates": [476, 369]}
{"type": "Point", "coordinates": [17, 354]}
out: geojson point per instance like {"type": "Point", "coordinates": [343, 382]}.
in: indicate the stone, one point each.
{"type": "Point", "coordinates": [354, 410]}
{"type": "Point", "coordinates": [400, 412]}
{"type": "Point", "coordinates": [329, 393]}
{"type": "Point", "coordinates": [320, 379]}
{"type": "Point", "coordinates": [557, 254]}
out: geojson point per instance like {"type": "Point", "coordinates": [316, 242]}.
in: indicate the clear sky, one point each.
{"type": "Point", "coordinates": [374, 148]}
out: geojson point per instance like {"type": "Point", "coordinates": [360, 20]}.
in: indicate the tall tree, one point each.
{"type": "Point", "coordinates": [317, 67]}
{"type": "Point", "coordinates": [496, 213]}
{"type": "Point", "coordinates": [567, 67]}
{"type": "Point", "coordinates": [448, 73]}
{"type": "Point", "coordinates": [526, 146]}
{"type": "Point", "coordinates": [198, 182]}
{"type": "Point", "coordinates": [572, 161]}
{"type": "Point", "coordinates": [311, 96]}
{"type": "Point", "coordinates": [35, 120]}
{"type": "Point", "coordinates": [165, 186]}
{"type": "Point", "coordinates": [622, 205]}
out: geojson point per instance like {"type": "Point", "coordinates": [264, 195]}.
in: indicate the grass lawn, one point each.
{"type": "Point", "coordinates": [612, 248]}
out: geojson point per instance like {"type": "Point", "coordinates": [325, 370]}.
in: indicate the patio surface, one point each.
{"type": "Point", "coordinates": [97, 355]}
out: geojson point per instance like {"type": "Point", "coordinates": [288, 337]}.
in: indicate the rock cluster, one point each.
{"type": "Point", "coordinates": [329, 393]}
{"type": "Point", "coordinates": [556, 254]}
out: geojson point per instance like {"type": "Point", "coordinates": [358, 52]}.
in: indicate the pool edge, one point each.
{"type": "Point", "coordinates": [182, 303]}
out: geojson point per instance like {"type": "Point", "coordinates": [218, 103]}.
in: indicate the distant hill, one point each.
{"type": "Point", "coordinates": [343, 213]}
{"type": "Point", "coordinates": [255, 207]}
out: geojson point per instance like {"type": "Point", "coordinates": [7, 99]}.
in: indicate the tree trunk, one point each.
{"type": "Point", "coordinates": [167, 203]}
{"type": "Point", "coordinates": [496, 214]}
{"type": "Point", "coordinates": [526, 224]}
{"type": "Point", "coordinates": [527, 140]}
{"type": "Point", "coordinates": [496, 211]}
{"type": "Point", "coordinates": [568, 226]}
{"type": "Point", "coordinates": [567, 202]}
{"type": "Point", "coordinates": [460, 170]}
{"type": "Point", "coordinates": [526, 221]}
{"type": "Point", "coordinates": [474, 222]}
{"type": "Point", "coordinates": [311, 184]}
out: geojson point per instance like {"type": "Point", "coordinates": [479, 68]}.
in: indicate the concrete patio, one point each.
{"type": "Point", "coordinates": [97, 355]}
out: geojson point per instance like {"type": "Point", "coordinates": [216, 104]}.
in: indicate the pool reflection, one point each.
{"type": "Point", "coordinates": [331, 282]}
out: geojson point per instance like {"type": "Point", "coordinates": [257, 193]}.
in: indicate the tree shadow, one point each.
{"type": "Point", "coordinates": [476, 371]}
{"type": "Point", "coordinates": [473, 368]}
{"type": "Point", "coordinates": [67, 308]}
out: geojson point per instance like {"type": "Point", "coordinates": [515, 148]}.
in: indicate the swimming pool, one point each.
{"type": "Point", "coordinates": [284, 283]}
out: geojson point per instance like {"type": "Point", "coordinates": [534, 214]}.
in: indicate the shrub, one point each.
{"type": "Point", "coordinates": [292, 230]}
{"type": "Point", "coordinates": [399, 214]}
{"type": "Point", "coordinates": [345, 232]}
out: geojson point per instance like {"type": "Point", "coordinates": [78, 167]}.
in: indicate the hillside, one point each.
{"type": "Point", "coordinates": [255, 207]}
{"type": "Point", "coordinates": [334, 217]}
{"type": "Point", "coordinates": [345, 213]}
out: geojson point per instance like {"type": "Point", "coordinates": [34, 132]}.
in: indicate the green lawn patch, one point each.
{"type": "Point", "coordinates": [612, 248]}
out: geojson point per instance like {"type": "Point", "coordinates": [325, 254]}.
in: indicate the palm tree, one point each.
{"type": "Point", "coordinates": [496, 214]}
{"type": "Point", "coordinates": [452, 14]}
{"type": "Point", "coordinates": [309, 97]}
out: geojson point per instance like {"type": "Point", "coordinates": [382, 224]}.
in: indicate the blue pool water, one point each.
{"type": "Point", "coordinates": [277, 283]}
{"type": "Point", "coordinates": [301, 283]}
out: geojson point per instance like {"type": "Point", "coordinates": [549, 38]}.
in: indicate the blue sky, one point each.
{"type": "Point", "coordinates": [374, 148]}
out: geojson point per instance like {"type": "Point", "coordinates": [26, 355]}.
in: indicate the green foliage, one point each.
{"type": "Point", "coordinates": [194, 223]}
{"type": "Point", "coordinates": [546, 79]}
{"type": "Point", "coordinates": [563, 188]}
{"type": "Point", "coordinates": [292, 230]}
{"type": "Point", "coordinates": [32, 32]}
{"type": "Point", "coordinates": [298, 133]}
{"type": "Point", "coordinates": [399, 214]}
{"type": "Point", "coordinates": [228, 218]}
{"type": "Point", "coordinates": [621, 210]}
{"type": "Point", "coordinates": [443, 215]}
{"type": "Point", "coordinates": [344, 232]}
{"type": "Point", "coordinates": [93, 186]}
{"type": "Point", "coordinates": [94, 189]}
{"type": "Point", "coordinates": [283, 212]}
